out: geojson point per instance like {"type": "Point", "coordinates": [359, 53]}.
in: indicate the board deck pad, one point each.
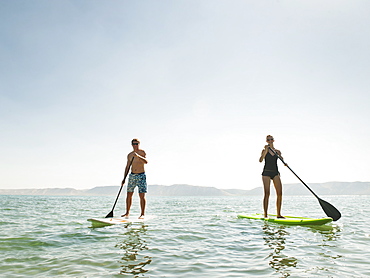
{"type": "Point", "coordinates": [100, 222]}
{"type": "Point", "coordinates": [288, 220]}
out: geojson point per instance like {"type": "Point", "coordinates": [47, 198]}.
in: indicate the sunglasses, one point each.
{"type": "Point", "coordinates": [135, 144]}
{"type": "Point", "coordinates": [272, 139]}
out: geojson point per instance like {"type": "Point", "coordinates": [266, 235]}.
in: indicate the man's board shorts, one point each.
{"type": "Point", "coordinates": [138, 180]}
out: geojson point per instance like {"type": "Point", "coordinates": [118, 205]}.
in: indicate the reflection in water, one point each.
{"type": "Point", "coordinates": [133, 262]}
{"type": "Point", "coordinates": [330, 235]}
{"type": "Point", "coordinates": [329, 232]}
{"type": "Point", "coordinates": [274, 237]}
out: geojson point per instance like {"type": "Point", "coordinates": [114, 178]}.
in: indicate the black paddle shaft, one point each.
{"type": "Point", "coordinates": [109, 215]}
{"type": "Point", "coordinates": [293, 172]}
{"type": "Point", "coordinates": [328, 208]}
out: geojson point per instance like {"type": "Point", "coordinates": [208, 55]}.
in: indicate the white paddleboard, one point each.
{"type": "Point", "coordinates": [99, 222]}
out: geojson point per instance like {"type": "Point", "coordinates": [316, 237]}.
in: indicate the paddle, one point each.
{"type": "Point", "coordinates": [329, 209]}
{"type": "Point", "coordinates": [110, 215]}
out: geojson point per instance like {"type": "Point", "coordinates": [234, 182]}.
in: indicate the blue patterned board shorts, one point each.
{"type": "Point", "coordinates": [138, 180]}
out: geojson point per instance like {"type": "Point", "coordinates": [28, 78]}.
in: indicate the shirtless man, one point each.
{"type": "Point", "coordinates": [136, 160]}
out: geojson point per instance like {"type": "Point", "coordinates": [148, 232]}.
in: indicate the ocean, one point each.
{"type": "Point", "coordinates": [49, 236]}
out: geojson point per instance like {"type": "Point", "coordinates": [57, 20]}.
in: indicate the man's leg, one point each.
{"type": "Point", "coordinates": [142, 204]}
{"type": "Point", "coordinates": [128, 204]}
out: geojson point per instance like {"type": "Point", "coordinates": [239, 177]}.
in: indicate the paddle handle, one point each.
{"type": "Point", "coordinates": [293, 172]}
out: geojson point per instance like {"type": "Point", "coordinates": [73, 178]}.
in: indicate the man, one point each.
{"type": "Point", "coordinates": [136, 160]}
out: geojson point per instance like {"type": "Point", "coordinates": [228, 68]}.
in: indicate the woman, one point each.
{"type": "Point", "coordinates": [270, 172]}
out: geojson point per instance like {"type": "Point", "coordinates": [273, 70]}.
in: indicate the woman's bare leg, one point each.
{"type": "Point", "coordinates": [279, 195]}
{"type": "Point", "coordinates": [266, 188]}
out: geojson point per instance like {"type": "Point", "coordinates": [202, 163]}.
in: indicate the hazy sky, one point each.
{"type": "Point", "coordinates": [200, 83]}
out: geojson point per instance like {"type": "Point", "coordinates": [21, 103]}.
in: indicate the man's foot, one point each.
{"type": "Point", "coordinates": [266, 216]}
{"type": "Point", "coordinates": [125, 215]}
{"type": "Point", "coordinates": [280, 216]}
{"type": "Point", "coordinates": [142, 216]}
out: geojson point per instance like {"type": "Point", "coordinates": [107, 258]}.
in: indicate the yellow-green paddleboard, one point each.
{"type": "Point", "coordinates": [288, 220]}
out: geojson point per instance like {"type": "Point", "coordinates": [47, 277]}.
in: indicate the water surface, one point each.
{"type": "Point", "coordinates": [45, 236]}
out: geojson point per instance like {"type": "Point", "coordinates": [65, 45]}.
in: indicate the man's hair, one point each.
{"type": "Point", "coordinates": [135, 140]}
{"type": "Point", "coordinates": [268, 136]}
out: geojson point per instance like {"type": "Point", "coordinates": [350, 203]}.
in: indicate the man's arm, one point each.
{"type": "Point", "coordinates": [141, 157]}
{"type": "Point", "coordinates": [128, 165]}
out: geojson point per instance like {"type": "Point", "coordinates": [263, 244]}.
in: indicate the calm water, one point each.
{"type": "Point", "coordinates": [43, 236]}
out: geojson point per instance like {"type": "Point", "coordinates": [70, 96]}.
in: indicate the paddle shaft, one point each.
{"type": "Point", "coordinates": [328, 208]}
{"type": "Point", "coordinates": [294, 173]}
{"type": "Point", "coordinates": [119, 192]}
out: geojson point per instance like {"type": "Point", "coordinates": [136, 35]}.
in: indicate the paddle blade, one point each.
{"type": "Point", "coordinates": [109, 215]}
{"type": "Point", "coordinates": [330, 210]}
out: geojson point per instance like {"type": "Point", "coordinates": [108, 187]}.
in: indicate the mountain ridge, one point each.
{"type": "Point", "coordinates": [327, 188]}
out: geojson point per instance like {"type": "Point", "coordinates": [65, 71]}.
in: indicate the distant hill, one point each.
{"type": "Point", "coordinates": [328, 188]}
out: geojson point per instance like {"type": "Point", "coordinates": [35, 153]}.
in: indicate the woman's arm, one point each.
{"type": "Point", "coordinates": [279, 154]}
{"type": "Point", "coordinates": [264, 152]}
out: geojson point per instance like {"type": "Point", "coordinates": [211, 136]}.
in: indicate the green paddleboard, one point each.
{"type": "Point", "coordinates": [288, 220]}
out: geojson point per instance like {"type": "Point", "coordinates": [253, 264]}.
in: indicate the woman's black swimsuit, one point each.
{"type": "Point", "coordinates": [271, 168]}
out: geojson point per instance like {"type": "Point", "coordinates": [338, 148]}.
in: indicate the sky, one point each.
{"type": "Point", "coordinates": [199, 82]}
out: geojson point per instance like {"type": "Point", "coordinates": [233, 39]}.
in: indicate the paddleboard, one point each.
{"type": "Point", "coordinates": [99, 222]}
{"type": "Point", "coordinates": [288, 220]}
